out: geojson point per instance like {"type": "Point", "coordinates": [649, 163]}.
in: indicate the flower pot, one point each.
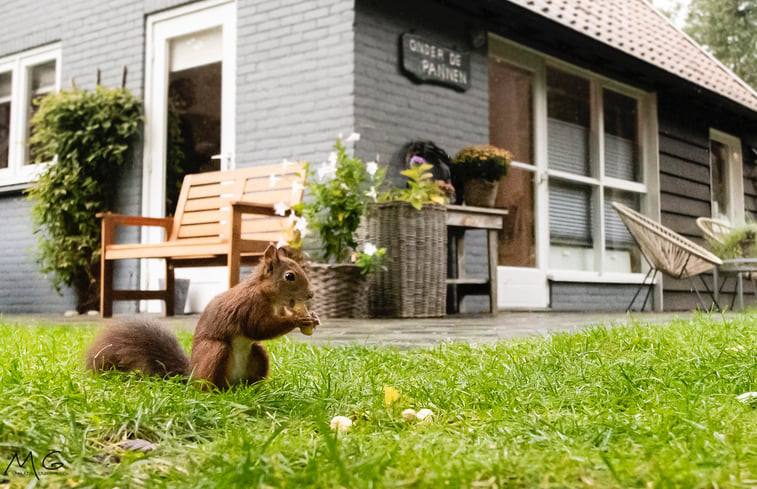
{"type": "Point", "coordinates": [414, 283]}
{"type": "Point", "coordinates": [480, 193]}
{"type": "Point", "coordinates": [339, 290]}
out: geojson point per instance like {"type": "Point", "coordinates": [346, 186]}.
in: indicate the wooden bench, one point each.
{"type": "Point", "coordinates": [222, 218]}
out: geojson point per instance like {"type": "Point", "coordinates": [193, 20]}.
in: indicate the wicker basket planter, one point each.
{"type": "Point", "coordinates": [339, 290]}
{"type": "Point", "coordinates": [416, 242]}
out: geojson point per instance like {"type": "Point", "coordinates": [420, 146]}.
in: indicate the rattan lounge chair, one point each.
{"type": "Point", "coordinates": [718, 230]}
{"type": "Point", "coordinates": [714, 229]}
{"type": "Point", "coordinates": [667, 252]}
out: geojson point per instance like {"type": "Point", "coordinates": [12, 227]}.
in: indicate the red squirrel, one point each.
{"type": "Point", "coordinates": [226, 349]}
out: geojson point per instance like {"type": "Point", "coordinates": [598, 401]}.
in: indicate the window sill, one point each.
{"type": "Point", "coordinates": [13, 188]}
{"type": "Point", "coordinates": [595, 277]}
{"type": "Point", "coordinates": [21, 179]}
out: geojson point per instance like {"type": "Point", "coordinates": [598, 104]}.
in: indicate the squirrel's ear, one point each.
{"type": "Point", "coordinates": [283, 254]}
{"type": "Point", "coordinates": [271, 255]}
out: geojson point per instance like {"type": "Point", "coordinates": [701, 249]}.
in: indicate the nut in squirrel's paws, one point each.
{"type": "Point", "coordinates": [310, 318]}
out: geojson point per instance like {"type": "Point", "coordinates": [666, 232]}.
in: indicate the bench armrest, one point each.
{"type": "Point", "coordinates": [111, 221]}
{"type": "Point", "coordinates": [243, 207]}
{"type": "Point", "coordinates": [124, 220]}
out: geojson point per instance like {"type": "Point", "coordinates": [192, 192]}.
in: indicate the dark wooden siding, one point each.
{"type": "Point", "coordinates": [684, 132]}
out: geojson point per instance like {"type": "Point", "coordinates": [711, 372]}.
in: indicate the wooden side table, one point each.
{"type": "Point", "coordinates": [459, 219]}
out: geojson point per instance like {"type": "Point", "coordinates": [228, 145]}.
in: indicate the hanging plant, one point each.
{"type": "Point", "coordinates": [86, 135]}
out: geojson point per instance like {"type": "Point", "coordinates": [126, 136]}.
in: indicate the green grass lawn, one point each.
{"type": "Point", "coordinates": [643, 406]}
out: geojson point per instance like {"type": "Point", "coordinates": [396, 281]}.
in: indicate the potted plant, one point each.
{"type": "Point", "coordinates": [479, 169]}
{"type": "Point", "coordinates": [741, 242]}
{"type": "Point", "coordinates": [338, 191]}
{"type": "Point", "coordinates": [410, 223]}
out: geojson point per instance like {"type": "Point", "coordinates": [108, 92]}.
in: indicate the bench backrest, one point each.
{"type": "Point", "coordinates": [202, 212]}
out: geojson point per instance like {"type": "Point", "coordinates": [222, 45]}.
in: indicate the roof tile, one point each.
{"type": "Point", "coordinates": [636, 28]}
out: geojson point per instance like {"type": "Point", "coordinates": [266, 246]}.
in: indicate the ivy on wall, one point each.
{"type": "Point", "coordinates": [87, 136]}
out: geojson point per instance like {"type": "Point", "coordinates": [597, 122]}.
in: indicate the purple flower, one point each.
{"type": "Point", "coordinates": [418, 160]}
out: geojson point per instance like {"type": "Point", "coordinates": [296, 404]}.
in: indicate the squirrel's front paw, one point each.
{"type": "Point", "coordinates": [307, 325]}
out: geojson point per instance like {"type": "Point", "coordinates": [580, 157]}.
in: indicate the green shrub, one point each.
{"type": "Point", "coordinates": [741, 242]}
{"type": "Point", "coordinates": [87, 136]}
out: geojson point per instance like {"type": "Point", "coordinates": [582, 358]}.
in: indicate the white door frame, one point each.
{"type": "Point", "coordinates": [160, 29]}
{"type": "Point", "coordinates": [734, 176]}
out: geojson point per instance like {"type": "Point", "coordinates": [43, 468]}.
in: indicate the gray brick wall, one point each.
{"type": "Point", "coordinates": [93, 34]}
{"type": "Point", "coordinates": [295, 78]}
{"type": "Point", "coordinates": [570, 296]}
{"type": "Point", "coordinates": [22, 287]}
{"type": "Point", "coordinates": [390, 109]}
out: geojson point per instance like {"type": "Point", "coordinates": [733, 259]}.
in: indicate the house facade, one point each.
{"type": "Point", "coordinates": [598, 102]}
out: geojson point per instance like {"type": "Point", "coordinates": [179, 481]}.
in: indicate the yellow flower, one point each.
{"type": "Point", "coordinates": [390, 394]}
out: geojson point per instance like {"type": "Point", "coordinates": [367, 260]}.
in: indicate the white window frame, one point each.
{"type": "Point", "coordinates": [648, 189]}
{"type": "Point", "coordinates": [734, 176]}
{"type": "Point", "coordinates": [19, 170]}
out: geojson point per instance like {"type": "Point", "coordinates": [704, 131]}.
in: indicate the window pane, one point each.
{"type": "Point", "coordinates": [623, 256]}
{"type": "Point", "coordinates": [517, 241]}
{"type": "Point", "coordinates": [5, 117]}
{"type": "Point", "coordinates": [570, 214]}
{"type": "Point", "coordinates": [510, 116]}
{"type": "Point", "coordinates": [621, 138]}
{"type": "Point", "coordinates": [569, 122]}
{"type": "Point", "coordinates": [511, 127]}
{"type": "Point", "coordinates": [718, 163]}
{"type": "Point", "coordinates": [42, 83]}
{"type": "Point", "coordinates": [43, 77]}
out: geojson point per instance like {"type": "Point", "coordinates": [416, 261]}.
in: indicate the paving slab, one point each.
{"type": "Point", "coordinates": [405, 333]}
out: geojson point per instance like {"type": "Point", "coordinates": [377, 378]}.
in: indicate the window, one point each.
{"type": "Point", "coordinates": [24, 78]}
{"type": "Point", "coordinates": [593, 158]}
{"type": "Point", "coordinates": [726, 177]}
{"type": "Point", "coordinates": [579, 141]}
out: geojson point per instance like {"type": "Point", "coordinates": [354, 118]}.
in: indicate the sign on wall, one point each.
{"type": "Point", "coordinates": [427, 61]}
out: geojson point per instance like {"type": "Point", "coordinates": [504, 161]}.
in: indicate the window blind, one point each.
{"type": "Point", "coordinates": [568, 147]}
{"type": "Point", "coordinates": [570, 214]}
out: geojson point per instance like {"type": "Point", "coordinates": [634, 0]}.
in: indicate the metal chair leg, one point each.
{"type": "Point", "coordinates": [653, 272]}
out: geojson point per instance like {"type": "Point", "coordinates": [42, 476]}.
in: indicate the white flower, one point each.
{"type": "Point", "coordinates": [326, 171]}
{"type": "Point", "coordinates": [747, 397]}
{"type": "Point", "coordinates": [369, 249]}
{"type": "Point", "coordinates": [281, 243]}
{"type": "Point", "coordinates": [272, 179]}
{"type": "Point", "coordinates": [341, 423]}
{"type": "Point", "coordinates": [302, 227]}
{"type": "Point", "coordinates": [286, 164]}
{"type": "Point", "coordinates": [280, 208]}
{"type": "Point", "coordinates": [297, 187]}
{"type": "Point", "coordinates": [352, 137]}
{"type": "Point", "coordinates": [371, 167]}
{"type": "Point", "coordinates": [423, 414]}
{"type": "Point", "coordinates": [409, 415]}
{"type": "Point", "coordinates": [292, 217]}
{"type": "Point", "coordinates": [332, 158]}
{"type": "Point", "coordinates": [372, 194]}
{"type": "Point", "coordinates": [344, 186]}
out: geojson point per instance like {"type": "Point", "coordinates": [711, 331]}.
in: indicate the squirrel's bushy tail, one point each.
{"type": "Point", "coordinates": [138, 345]}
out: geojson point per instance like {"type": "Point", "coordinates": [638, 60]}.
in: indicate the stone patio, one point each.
{"type": "Point", "coordinates": [405, 333]}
